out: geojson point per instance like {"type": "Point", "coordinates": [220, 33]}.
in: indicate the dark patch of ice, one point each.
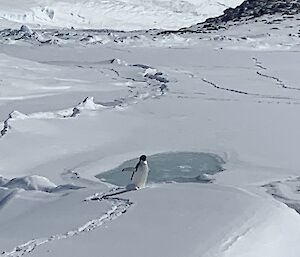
{"type": "Point", "coordinates": [180, 167]}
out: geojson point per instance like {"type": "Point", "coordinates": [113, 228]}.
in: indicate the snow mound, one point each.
{"type": "Point", "coordinates": [118, 62]}
{"type": "Point", "coordinates": [286, 191]}
{"type": "Point", "coordinates": [150, 72]}
{"type": "Point", "coordinates": [15, 115]}
{"type": "Point", "coordinates": [26, 30]}
{"type": "Point", "coordinates": [3, 181]}
{"type": "Point", "coordinates": [154, 74]}
{"type": "Point", "coordinates": [87, 104]}
{"type": "Point", "coordinates": [35, 182]}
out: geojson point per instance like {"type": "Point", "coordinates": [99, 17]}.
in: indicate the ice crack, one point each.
{"type": "Point", "coordinates": [227, 89]}
{"type": "Point", "coordinates": [278, 81]}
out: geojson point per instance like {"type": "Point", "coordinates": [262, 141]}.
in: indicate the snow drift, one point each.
{"type": "Point", "coordinates": [34, 182]}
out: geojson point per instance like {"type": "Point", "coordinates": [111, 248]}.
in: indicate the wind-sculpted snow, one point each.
{"type": "Point", "coordinates": [12, 116]}
{"type": "Point", "coordinates": [6, 195]}
{"type": "Point", "coordinates": [154, 83]}
{"type": "Point", "coordinates": [3, 180]}
{"type": "Point", "coordinates": [286, 191]}
{"type": "Point", "coordinates": [141, 81]}
{"type": "Point", "coordinates": [31, 183]}
{"type": "Point", "coordinates": [34, 183]}
{"type": "Point", "coordinates": [86, 105]}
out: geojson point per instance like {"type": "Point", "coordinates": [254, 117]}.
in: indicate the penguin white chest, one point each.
{"type": "Point", "coordinates": [141, 175]}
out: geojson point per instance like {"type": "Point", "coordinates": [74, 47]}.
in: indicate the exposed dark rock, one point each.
{"type": "Point", "coordinates": [257, 8]}
{"type": "Point", "coordinates": [248, 10]}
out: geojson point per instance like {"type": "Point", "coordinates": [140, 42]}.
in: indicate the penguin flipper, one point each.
{"type": "Point", "coordinates": [129, 169]}
{"type": "Point", "coordinates": [132, 175]}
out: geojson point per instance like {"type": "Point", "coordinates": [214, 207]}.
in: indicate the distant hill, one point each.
{"type": "Point", "coordinates": [249, 9]}
{"type": "Point", "coordinates": [113, 14]}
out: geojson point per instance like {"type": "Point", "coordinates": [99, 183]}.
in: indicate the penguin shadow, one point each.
{"type": "Point", "coordinates": [131, 187]}
{"type": "Point", "coordinates": [111, 193]}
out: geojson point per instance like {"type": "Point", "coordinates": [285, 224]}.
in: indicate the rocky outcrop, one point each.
{"type": "Point", "coordinates": [249, 9]}
{"type": "Point", "coordinates": [256, 8]}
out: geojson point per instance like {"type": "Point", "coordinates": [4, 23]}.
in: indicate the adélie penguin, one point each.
{"type": "Point", "coordinates": [139, 173]}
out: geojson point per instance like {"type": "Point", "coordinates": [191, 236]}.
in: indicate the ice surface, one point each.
{"type": "Point", "coordinates": [181, 167]}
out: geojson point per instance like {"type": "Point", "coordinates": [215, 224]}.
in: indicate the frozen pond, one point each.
{"type": "Point", "coordinates": [180, 167]}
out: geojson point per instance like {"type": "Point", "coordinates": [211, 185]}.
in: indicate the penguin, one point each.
{"type": "Point", "coordinates": [140, 174]}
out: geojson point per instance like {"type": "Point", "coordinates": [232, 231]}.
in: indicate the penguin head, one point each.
{"type": "Point", "coordinates": [143, 158]}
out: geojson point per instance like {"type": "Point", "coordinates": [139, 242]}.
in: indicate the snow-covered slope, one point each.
{"type": "Point", "coordinates": [111, 14]}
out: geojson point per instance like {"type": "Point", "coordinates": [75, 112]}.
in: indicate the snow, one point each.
{"type": "Point", "coordinates": [222, 104]}
{"type": "Point", "coordinates": [26, 30]}
{"type": "Point", "coordinates": [179, 227]}
{"type": "Point", "coordinates": [34, 182]}
{"type": "Point", "coordinates": [119, 15]}
{"type": "Point", "coordinates": [87, 104]}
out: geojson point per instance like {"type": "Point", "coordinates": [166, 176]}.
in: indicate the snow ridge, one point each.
{"type": "Point", "coordinates": [87, 104]}
{"type": "Point", "coordinates": [286, 192]}
{"type": "Point", "coordinates": [33, 182]}
{"type": "Point", "coordinates": [12, 116]}
{"type": "Point", "coordinates": [229, 243]}
{"type": "Point", "coordinates": [148, 82]}
{"type": "Point", "coordinates": [11, 194]}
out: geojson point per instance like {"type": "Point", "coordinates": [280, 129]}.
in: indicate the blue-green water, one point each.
{"type": "Point", "coordinates": [180, 167]}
